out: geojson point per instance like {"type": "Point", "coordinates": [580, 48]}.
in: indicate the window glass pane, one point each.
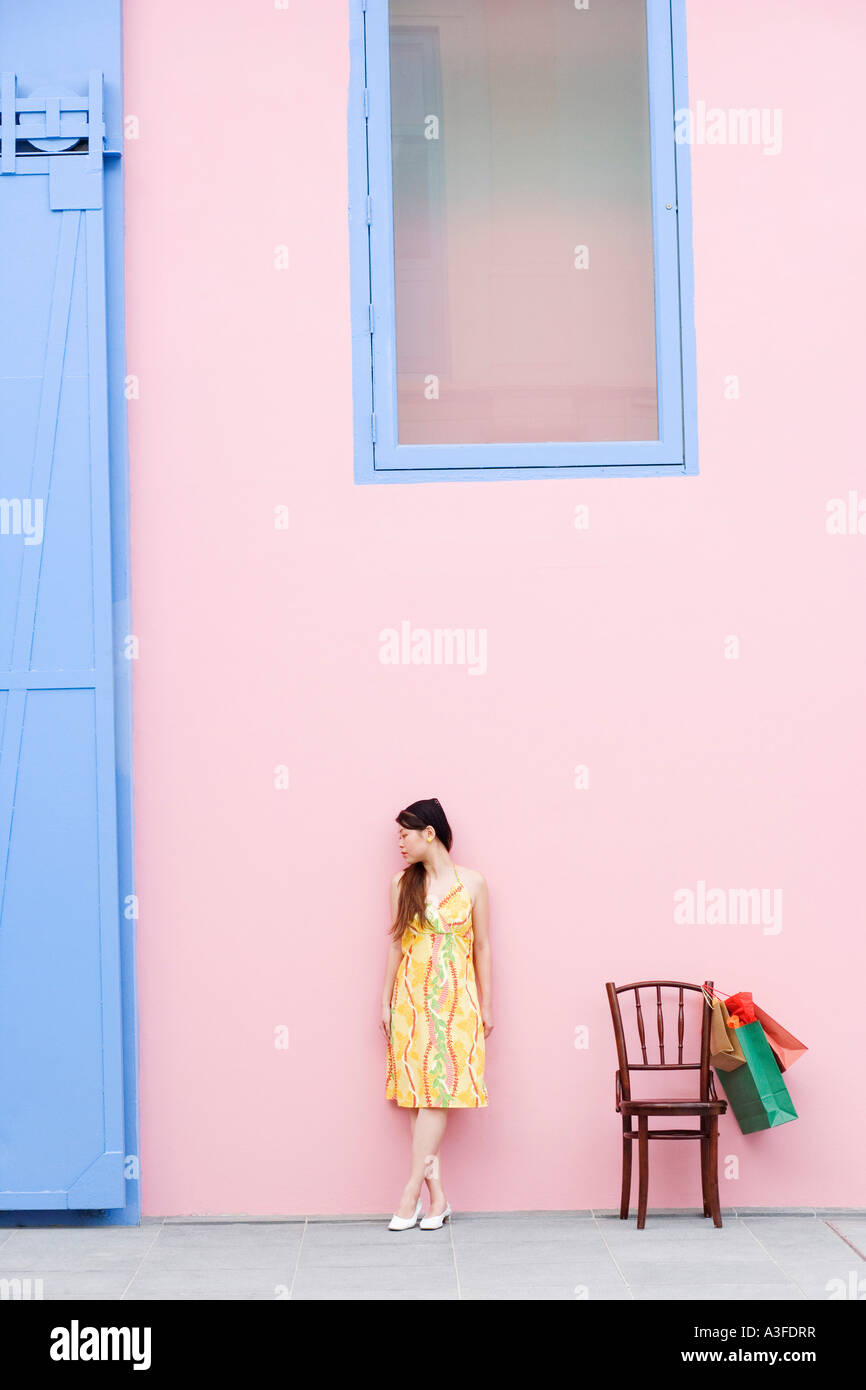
{"type": "Point", "coordinates": [522, 221]}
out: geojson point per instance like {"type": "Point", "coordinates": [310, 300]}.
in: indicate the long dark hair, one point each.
{"type": "Point", "coordinates": [413, 885]}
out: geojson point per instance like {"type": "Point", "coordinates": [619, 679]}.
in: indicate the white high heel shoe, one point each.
{"type": "Point", "coordinates": [405, 1223]}
{"type": "Point", "coordinates": [432, 1223]}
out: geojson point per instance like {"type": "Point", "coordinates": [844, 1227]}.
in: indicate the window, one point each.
{"type": "Point", "coordinates": [521, 258]}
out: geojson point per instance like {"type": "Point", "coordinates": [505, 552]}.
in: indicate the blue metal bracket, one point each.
{"type": "Point", "coordinates": [50, 125]}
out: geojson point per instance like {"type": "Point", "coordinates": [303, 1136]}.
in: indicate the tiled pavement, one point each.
{"type": "Point", "coordinates": [515, 1255]}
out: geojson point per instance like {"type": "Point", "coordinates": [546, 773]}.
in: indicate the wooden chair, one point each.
{"type": "Point", "coordinates": [706, 1105]}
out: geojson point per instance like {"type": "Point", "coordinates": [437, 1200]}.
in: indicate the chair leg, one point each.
{"type": "Point", "coordinates": [626, 1177]}
{"type": "Point", "coordinates": [643, 1170]}
{"type": "Point", "coordinates": [705, 1148]}
{"type": "Point", "coordinates": [713, 1170]}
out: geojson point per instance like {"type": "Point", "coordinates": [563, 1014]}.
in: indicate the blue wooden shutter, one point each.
{"type": "Point", "coordinates": [61, 1075]}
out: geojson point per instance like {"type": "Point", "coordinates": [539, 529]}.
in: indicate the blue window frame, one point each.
{"type": "Point", "coordinates": [498, 426]}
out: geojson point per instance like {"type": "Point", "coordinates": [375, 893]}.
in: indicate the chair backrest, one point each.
{"type": "Point", "coordinates": [666, 1047]}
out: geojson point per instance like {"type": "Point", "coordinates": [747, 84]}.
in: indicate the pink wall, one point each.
{"type": "Point", "coordinates": [259, 647]}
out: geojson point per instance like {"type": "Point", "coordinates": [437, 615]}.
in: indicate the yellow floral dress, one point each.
{"type": "Point", "coordinates": [436, 1049]}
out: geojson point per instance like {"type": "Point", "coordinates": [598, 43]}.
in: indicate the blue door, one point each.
{"type": "Point", "coordinates": [61, 918]}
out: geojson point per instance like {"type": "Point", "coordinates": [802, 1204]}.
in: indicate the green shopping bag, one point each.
{"type": "Point", "coordinates": [756, 1092]}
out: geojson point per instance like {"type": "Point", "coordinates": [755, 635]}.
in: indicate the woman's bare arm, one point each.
{"type": "Point", "coordinates": [477, 885]}
{"type": "Point", "coordinates": [395, 951]}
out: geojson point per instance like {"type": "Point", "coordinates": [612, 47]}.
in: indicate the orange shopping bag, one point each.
{"type": "Point", "coordinates": [785, 1047]}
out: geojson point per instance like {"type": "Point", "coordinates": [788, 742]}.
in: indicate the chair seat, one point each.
{"type": "Point", "coordinates": [672, 1107]}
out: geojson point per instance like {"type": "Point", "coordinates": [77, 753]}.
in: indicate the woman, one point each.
{"type": "Point", "coordinates": [431, 1017]}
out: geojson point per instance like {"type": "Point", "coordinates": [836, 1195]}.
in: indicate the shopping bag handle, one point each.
{"type": "Point", "coordinates": [710, 995]}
